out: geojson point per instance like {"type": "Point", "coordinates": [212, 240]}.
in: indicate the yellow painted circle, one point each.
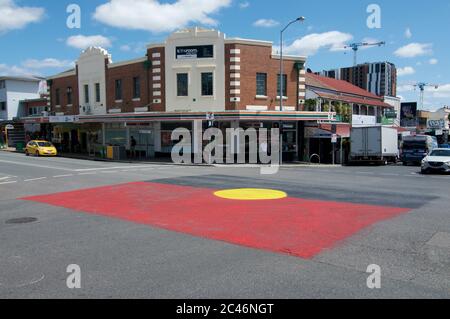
{"type": "Point", "coordinates": [251, 194]}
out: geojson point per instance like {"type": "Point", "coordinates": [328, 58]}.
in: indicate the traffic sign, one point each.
{"type": "Point", "coordinates": [334, 138]}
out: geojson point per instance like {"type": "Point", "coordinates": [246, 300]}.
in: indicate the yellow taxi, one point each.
{"type": "Point", "coordinates": [40, 148]}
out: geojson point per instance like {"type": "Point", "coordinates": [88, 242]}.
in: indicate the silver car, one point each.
{"type": "Point", "coordinates": [437, 161]}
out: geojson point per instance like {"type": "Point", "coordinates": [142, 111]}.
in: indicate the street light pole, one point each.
{"type": "Point", "coordinates": [299, 19]}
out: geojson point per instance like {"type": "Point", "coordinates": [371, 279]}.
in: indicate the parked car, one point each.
{"type": "Point", "coordinates": [437, 161]}
{"type": "Point", "coordinates": [40, 148]}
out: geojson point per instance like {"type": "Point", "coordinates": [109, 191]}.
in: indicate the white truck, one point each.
{"type": "Point", "coordinates": [374, 144]}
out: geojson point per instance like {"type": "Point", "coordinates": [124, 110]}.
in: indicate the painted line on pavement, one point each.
{"type": "Point", "coordinates": [36, 165]}
{"type": "Point", "coordinates": [35, 179]}
{"type": "Point", "coordinates": [61, 176]}
{"type": "Point", "coordinates": [106, 168]}
{"type": "Point", "coordinates": [12, 182]}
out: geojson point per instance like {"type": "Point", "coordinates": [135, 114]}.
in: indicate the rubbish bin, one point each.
{"type": "Point", "coordinates": [20, 146]}
{"type": "Point", "coordinates": [116, 153]}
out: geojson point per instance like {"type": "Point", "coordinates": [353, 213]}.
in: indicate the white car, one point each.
{"type": "Point", "coordinates": [437, 161]}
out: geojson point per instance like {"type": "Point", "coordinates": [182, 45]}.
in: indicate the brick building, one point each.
{"type": "Point", "coordinates": [195, 74]}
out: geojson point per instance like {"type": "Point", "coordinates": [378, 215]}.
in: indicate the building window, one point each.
{"type": "Point", "coordinates": [86, 93]}
{"type": "Point", "coordinates": [182, 84]}
{"type": "Point", "coordinates": [58, 97]}
{"type": "Point", "coordinates": [69, 96]}
{"type": "Point", "coordinates": [2, 84]}
{"type": "Point", "coordinates": [136, 88]}
{"type": "Point", "coordinates": [97, 92]}
{"type": "Point", "coordinates": [207, 84]}
{"type": "Point", "coordinates": [118, 90]}
{"type": "Point", "coordinates": [2, 106]}
{"type": "Point", "coordinates": [284, 85]}
{"type": "Point", "coordinates": [261, 84]}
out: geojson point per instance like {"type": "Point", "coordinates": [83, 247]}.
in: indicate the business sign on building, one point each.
{"type": "Point", "coordinates": [408, 115]}
{"type": "Point", "coordinates": [63, 119]}
{"type": "Point", "coordinates": [436, 124]}
{"type": "Point", "coordinates": [195, 52]}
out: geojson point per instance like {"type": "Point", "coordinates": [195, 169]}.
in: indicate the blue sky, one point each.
{"type": "Point", "coordinates": [34, 33]}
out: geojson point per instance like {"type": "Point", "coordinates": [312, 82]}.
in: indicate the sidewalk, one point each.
{"type": "Point", "coordinates": [168, 161]}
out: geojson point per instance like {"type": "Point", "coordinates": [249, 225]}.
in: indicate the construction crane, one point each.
{"type": "Point", "coordinates": [422, 86]}
{"type": "Point", "coordinates": [355, 47]}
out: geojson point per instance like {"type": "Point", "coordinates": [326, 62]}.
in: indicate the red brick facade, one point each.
{"type": "Point", "coordinates": [258, 59]}
{"type": "Point", "coordinates": [127, 73]}
{"type": "Point", "coordinates": [63, 84]}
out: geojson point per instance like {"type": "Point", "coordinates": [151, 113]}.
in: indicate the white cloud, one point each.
{"type": "Point", "coordinates": [244, 5]}
{"type": "Point", "coordinates": [414, 50]}
{"type": "Point", "coordinates": [47, 63]}
{"type": "Point", "coordinates": [312, 43]}
{"type": "Point", "coordinates": [407, 70]}
{"type": "Point", "coordinates": [7, 70]}
{"type": "Point", "coordinates": [14, 17]}
{"type": "Point", "coordinates": [408, 33]}
{"type": "Point", "coordinates": [82, 42]}
{"type": "Point", "coordinates": [266, 23]}
{"type": "Point", "coordinates": [138, 47]}
{"type": "Point", "coordinates": [151, 15]}
{"type": "Point", "coordinates": [433, 61]}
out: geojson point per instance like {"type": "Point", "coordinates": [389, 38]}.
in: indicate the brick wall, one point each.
{"type": "Point", "coordinates": [243, 62]}
{"type": "Point", "coordinates": [126, 73]}
{"type": "Point", "coordinates": [62, 84]}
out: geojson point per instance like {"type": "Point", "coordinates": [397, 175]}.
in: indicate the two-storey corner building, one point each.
{"type": "Point", "coordinates": [196, 74]}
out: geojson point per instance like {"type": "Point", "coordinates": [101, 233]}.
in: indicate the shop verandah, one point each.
{"type": "Point", "coordinates": [149, 135]}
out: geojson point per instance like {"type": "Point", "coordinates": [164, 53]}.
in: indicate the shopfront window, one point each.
{"type": "Point", "coordinates": [115, 134]}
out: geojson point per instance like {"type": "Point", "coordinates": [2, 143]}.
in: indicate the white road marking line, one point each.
{"type": "Point", "coordinates": [61, 176]}
{"type": "Point", "coordinates": [12, 182]}
{"type": "Point", "coordinates": [35, 179]}
{"type": "Point", "coordinates": [109, 172]}
{"type": "Point", "coordinates": [3, 178]}
{"type": "Point", "coordinates": [93, 173]}
{"type": "Point", "coordinates": [35, 165]}
{"type": "Point", "coordinates": [106, 168]}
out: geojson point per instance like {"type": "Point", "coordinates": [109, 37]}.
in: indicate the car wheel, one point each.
{"type": "Point", "coordinates": [37, 153]}
{"type": "Point", "coordinates": [26, 153]}
{"type": "Point", "coordinates": [405, 164]}
{"type": "Point", "coordinates": [423, 171]}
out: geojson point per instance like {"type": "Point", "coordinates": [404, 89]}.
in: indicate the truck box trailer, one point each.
{"type": "Point", "coordinates": [374, 144]}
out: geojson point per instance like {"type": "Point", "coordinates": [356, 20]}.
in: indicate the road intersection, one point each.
{"type": "Point", "coordinates": [160, 231]}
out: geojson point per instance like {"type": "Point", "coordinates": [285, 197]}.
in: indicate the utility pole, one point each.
{"type": "Point", "coordinates": [299, 19]}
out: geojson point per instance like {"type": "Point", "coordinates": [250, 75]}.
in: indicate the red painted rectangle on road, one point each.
{"type": "Point", "coordinates": [299, 227]}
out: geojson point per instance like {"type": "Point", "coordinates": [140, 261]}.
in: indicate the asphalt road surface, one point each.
{"type": "Point", "coordinates": [161, 231]}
